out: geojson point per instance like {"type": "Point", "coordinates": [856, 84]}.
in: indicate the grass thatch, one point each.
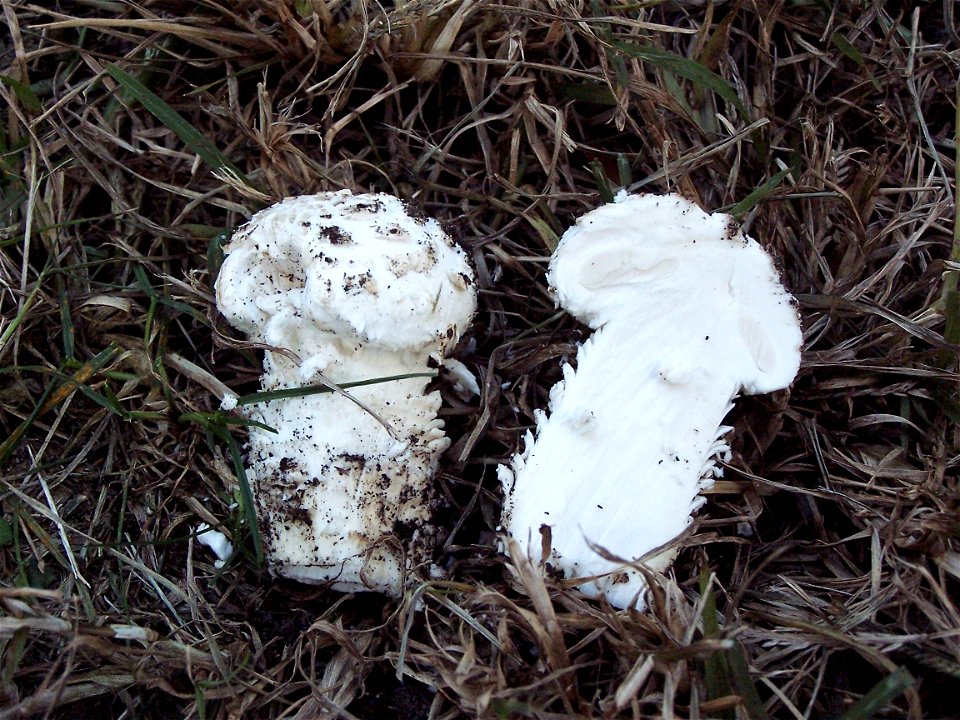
{"type": "Point", "coordinates": [824, 575]}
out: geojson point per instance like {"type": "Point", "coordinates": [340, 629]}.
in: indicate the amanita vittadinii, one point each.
{"type": "Point", "coordinates": [353, 287]}
{"type": "Point", "coordinates": [688, 313]}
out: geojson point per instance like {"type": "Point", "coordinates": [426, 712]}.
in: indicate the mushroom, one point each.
{"type": "Point", "coordinates": [688, 312]}
{"type": "Point", "coordinates": [342, 288]}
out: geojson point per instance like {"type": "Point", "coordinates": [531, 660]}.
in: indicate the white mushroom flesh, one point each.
{"type": "Point", "coordinates": [688, 313]}
{"type": "Point", "coordinates": [216, 541]}
{"type": "Point", "coordinates": [356, 288]}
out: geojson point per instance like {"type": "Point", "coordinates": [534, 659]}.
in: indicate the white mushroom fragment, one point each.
{"type": "Point", "coordinates": [688, 313]}
{"type": "Point", "coordinates": [216, 541]}
{"type": "Point", "coordinates": [356, 288]}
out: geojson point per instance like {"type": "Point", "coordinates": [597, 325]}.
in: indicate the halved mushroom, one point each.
{"type": "Point", "coordinates": [353, 287]}
{"type": "Point", "coordinates": [688, 313]}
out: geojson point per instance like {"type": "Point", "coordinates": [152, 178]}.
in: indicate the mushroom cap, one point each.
{"type": "Point", "coordinates": [358, 267]}
{"type": "Point", "coordinates": [663, 262]}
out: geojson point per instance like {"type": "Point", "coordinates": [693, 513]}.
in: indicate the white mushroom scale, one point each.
{"type": "Point", "coordinates": [354, 287]}
{"type": "Point", "coordinates": [688, 313]}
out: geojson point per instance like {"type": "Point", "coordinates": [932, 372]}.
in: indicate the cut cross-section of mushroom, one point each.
{"type": "Point", "coordinates": [688, 312]}
{"type": "Point", "coordinates": [353, 287]}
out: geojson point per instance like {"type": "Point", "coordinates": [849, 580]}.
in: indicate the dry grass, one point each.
{"type": "Point", "coordinates": [827, 563]}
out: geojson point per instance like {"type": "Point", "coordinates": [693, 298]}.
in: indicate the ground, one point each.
{"type": "Point", "coordinates": [822, 576]}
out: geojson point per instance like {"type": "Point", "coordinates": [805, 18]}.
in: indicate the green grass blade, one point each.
{"type": "Point", "coordinates": [844, 46]}
{"type": "Point", "coordinates": [624, 170]}
{"type": "Point", "coordinates": [743, 684]}
{"type": "Point", "coordinates": [686, 68]}
{"type": "Point", "coordinates": [173, 121]}
{"type": "Point", "coordinates": [546, 233]}
{"type": "Point", "coordinates": [209, 421]}
{"type": "Point", "coordinates": [107, 400]}
{"type": "Point", "coordinates": [22, 313]}
{"type": "Point", "coordinates": [588, 92]}
{"type": "Point", "coordinates": [507, 708]}
{"type": "Point", "coordinates": [951, 310]}
{"type": "Point", "coordinates": [144, 282]}
{"type": "Point", "coordinates": [604, 186]}
{"type": "Point", "coordinates": [66, 321]}
{"type": "Point", "coordinates": [259, 397]}
{"type": "Point", "coordinates": [704, 120]}
{"type": "Point", "coordinates": [23, 92]}
{"type": "Point", "coordinates": [13, 653]}
{"type": "Point", "coordinates": [246, 494]}
{"type": "Point", "coordinates": [879, 696]}
{"type": "Point", "coordinates": [756, 196]}
{"type": "Point", "coordinates": [6, 533]}
{"type": "Point", "coordinates": [215, 254]}
{"type": "Point", "coordinates": [716, 674]}
{"type": "Point", "coordinates": [157, 299]}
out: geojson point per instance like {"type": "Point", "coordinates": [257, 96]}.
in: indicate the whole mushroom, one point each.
{"type": "Point", "coordinates": [354, 287]}
{"type": "Point", "coordinates": [688, 312]}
